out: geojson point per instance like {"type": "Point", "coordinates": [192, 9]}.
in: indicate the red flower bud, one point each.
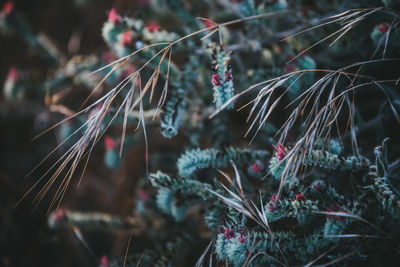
{"type": "Point", "coordinates": [127, 38]}
{"type": "Point", "coordinates": [60, 214]}
{"type": "Point", "coordinates": [301, 197]}
{"type": "Point", "coordinates": [228, 76]}
{"type": "Point", "coordinates": [383, 28]}
{"type": "Point", "coordinates": [243, 239]}
{"type": "Point", "coordinates": [13, 74]}
{"type": "Point", "coordinates": [110, 143]}
{"type": "Point", "coordinates": [114, 17]}
{"type": "Point", "coordinates": [153, 27]}
{"type": "Point", "coordinates": [104, 261]}
{"type": "Point", "coordinates": [216, 79]}
{"type": "Point", "coordinates": [273, 205]}
{"type": "Point", "coordinates": [256, 167]}
{"type": "Point", "coordinates": [209, 23]}
{"type": "Point", "coordinates": [280, 151]}
{"type": "Point", "coordinates": [229, 233]}
{"type": "Point", "coordinates": [8, 7]}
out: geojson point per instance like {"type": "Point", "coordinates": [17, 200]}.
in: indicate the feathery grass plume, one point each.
{"type": "Point", "coordinates": [64, 218]}
{"type": "Point", "coordinates": [305, 232]}
{"type": "Point", "coordinates": [222, 79]}
{"type": "Point", "coordinates": [196, 159]}
{"type": "Point", "coordinates": [132, 93]}
{"type": "Point", "coordinates": [323, 113]}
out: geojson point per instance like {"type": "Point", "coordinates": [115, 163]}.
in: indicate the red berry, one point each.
{"type": "Point", "coordinates": [383, 28]}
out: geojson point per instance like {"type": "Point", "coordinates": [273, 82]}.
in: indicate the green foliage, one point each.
{"type": "Point", "coordinates": [196, 159]}
{"type": "Point", "coordinates": [222, 78]}
{"type": "Point", "coordinates": [318, 199]}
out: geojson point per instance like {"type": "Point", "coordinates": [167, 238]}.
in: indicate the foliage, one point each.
{"type": "Point", "coordinates": [312, 187]}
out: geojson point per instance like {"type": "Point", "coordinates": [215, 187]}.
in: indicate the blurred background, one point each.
{"type": "Point", "coordinates": [74, 27]}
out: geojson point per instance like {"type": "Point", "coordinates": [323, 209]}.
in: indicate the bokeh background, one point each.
{"type": "Point", "coordinates": [25, 240]}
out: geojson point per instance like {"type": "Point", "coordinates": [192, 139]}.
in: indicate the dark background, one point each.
{"type": "Point", "coordinates": [25, 239]}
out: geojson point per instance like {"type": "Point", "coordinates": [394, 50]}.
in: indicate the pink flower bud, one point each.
{"type": "Point", "coordinates": [8, 7]}
{"type": "Point", "coordinates": [110, 143]}
{"type": "Point", "coordinates": [216, 79]}
{"type": "Point", "coordinates": [104, 261]}
{"type": "Point", "coordinates": [114, 17]}
{"type": "Point", "coordinates": [153, 27]}
{"type": "Point", "coordinates": [60, 214]}
{"type": "Point", "coordinates": [127, 38]}
{"type": "Point", "coordinates": [301, 197]}
{"type": "Point", "coordinates": [229, 233]}
{"type": "Point", "coordinates": [383, 28]}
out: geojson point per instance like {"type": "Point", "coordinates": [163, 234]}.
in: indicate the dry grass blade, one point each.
{"type": "Point", "coordinates": [353, 216]}
{"type": "Point", "coordinates": [336, 260]}
{"type": "Point", "coordinates": [318, 113]}
{"type": "Point", "coordinates": [320, 256]}
{"type": "Point", "coordinates": [357, 15]}
{"type": "Point", "coordinates": [199, 263]}
{"type": "Point", "coordinates": [246, 207]}
{"type": "Point", "coordinates": [94, 128]}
